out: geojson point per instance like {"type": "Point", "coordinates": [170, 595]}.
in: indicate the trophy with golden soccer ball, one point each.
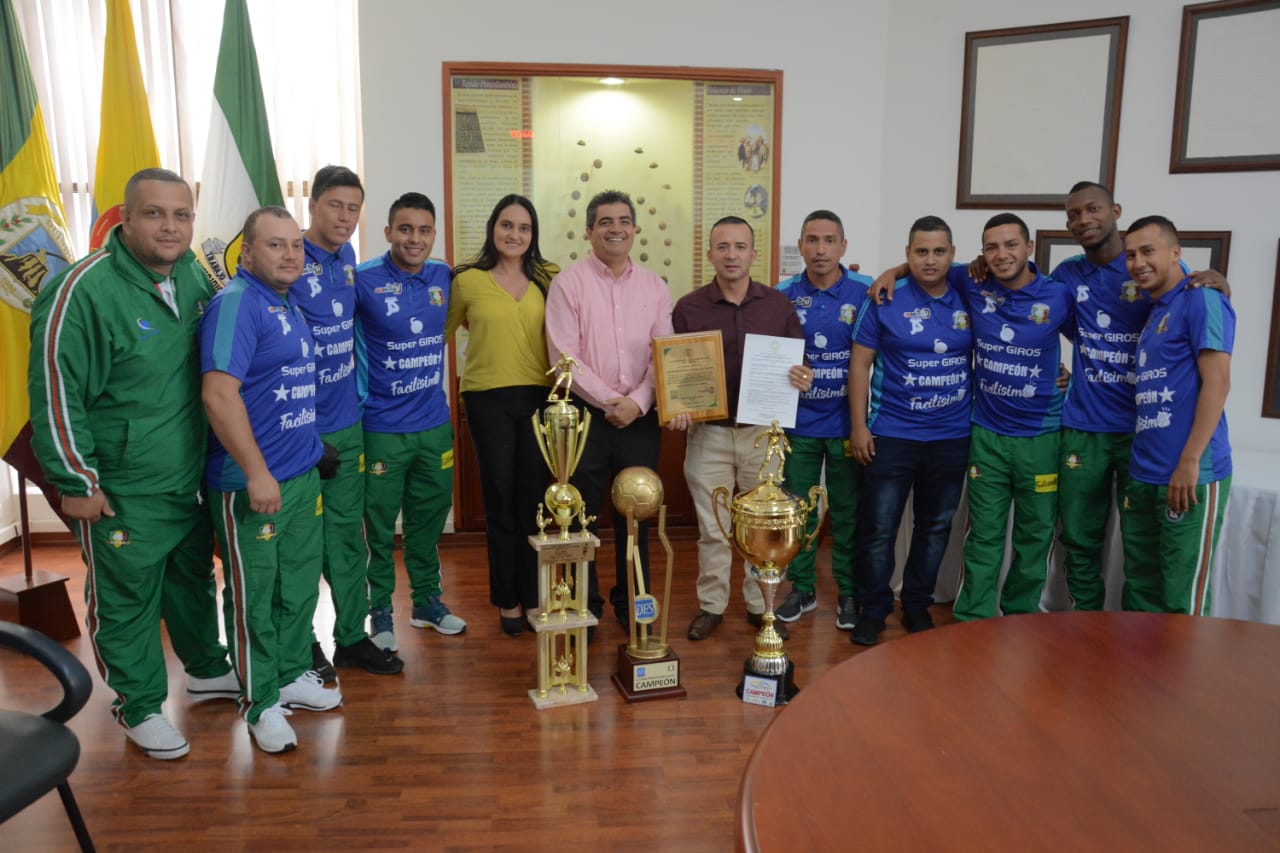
{"type": "Point", "coordinates": [647, 667]}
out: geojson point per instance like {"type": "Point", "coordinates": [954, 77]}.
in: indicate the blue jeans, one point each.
{"type": "Point", "coordinates": [935, 470]}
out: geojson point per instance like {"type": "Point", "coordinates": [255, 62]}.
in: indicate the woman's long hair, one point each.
{"type": "Point", "coordinates": [533, 264]}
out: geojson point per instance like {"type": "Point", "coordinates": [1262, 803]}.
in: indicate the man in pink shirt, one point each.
{"type": "Point", "coordinates": [604, 310]}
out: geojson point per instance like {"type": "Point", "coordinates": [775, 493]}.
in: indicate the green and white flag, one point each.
{"type": "Point", "coordinates": [239, 168]}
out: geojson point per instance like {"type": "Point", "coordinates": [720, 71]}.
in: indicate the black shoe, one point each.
{"type": "Point", "coordinates": [365, 655]}
{"type": "Point", "coordinates": [704, 624]}
{"type": "Point", "coordinates": [867, 631]}
{"type": "Point", "coordinates": [321, 665]}
{"type": "Point", "coordinates": [756, 620]}
{"type": "Point", "coordinates": [512, 626]}
{"type": "Point", "coordinates": [916, 620]}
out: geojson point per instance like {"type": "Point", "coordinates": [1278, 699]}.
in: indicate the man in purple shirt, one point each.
{"type": "Point", "coordinates": [604, 311]}
{"type": "Point", "coordinates": [722, 453]}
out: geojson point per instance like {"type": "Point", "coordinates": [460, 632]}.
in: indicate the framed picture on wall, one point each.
{"type": "Point", "coordinates": [1227, 112]}
{"type": "Point", "coordinates": [1201, 250]}
{"type": "Point", "coordinates": [1040, 111]}
{"type": "Point", "coordinates": [1271, 391]}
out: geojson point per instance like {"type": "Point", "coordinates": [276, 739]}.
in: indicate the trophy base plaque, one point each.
{"type": "Point", "coordinates": [640, 679]}
{"type": "Point", "coordinates": [767, 690]}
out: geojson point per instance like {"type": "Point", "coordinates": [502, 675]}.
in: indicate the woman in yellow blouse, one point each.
{"type": "Point", "coordinates": [500, 298]}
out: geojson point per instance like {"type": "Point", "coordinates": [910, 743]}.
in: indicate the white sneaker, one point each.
{"type": "Point", "coordinates": [272, 732]}
{"type": "Point", "coordinates": [222, 687]}
{"type": "Point", "coordinates": [308, 691]}
{"type": "Point", "coordinates": [157, 737]}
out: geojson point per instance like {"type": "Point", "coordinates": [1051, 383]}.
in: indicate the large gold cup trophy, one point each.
{"type": "Point", "coordinates": [563, 618]}
{"type": "Point", "coordinates": [767, 528]}
{"type": "Point", "coordinates": [647, 667]}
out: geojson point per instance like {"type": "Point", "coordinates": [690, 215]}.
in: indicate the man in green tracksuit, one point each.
{"type": "Point", "coordinates": [119, 430]}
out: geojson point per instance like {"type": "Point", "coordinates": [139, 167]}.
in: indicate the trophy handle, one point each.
{"type": "Point", "coordinates": [541, 440]}
{"type": "Point", "coordinates": [817, 503]}
{"type": "Point", "coordinates": [720, 497]}
{"type": "Point", "coordinates": [583, 426]}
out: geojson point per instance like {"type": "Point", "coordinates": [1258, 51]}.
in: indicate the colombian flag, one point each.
{"type": "Point", "coordinates": [126, 141]}
{"type": "Point", "coordinates": [34, 245]}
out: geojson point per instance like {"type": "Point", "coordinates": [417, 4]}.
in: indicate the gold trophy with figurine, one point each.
{"type": "Point", "coordinates": [647, 667]}
{"type": "Point", "coordinates": [563, 618]}
{"type": "Point", "coordinates": [767, 528]}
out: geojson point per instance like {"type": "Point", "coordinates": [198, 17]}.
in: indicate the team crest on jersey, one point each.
{"type": "Point", "coordinates": [350, 273]}
{"type": "Point", "coordinates": [267, 532]}
{"type": "Point", "coordinates": [118, 538]}
{"type": "Point", "coordinates": [1129, 291]}
{"type": "Point", "coordinates": [960, 320]}
{"type": "Point", "coordinates": [435, 295]}
{"type": "Point", "coordinates": [378, 469]}
{"type": "Point", "coordinates": [1039, 313]}
{"type": "Point", "coordinates": [1163, 325]}
{"type": "Point", "coordinates": [392, 287]}
{"type": "Point", "coordinates": [1073, 461]}
{"type": "Point", "coordinates": [917, 318]}
{"type": "Point", "coordinates": [847, 313]}
{"type": "Point", "coordinates": [974, 473]}
{"type": "Point", "coordinates": [1173, 516]}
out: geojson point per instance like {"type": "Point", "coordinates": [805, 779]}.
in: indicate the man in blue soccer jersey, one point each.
{"type": "Point", "coordinates": [1098, 413]}
{"type": "Point", "coordinates": [1013, 453]}
{"type": "Point", "coordinates": [326, 295]}
{"type": "Point", "coordinates": [401, 303]}
{"type": "Point", "coordinates": [259, 390]}
{"type": "Point", "coordinates": [916, 437]}
{"type": "Point", "coordinates": [1180, 471]}
{"type": "Point", "coordinates": [826, 297]}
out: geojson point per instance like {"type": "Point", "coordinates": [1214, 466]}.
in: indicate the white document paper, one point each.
{"type": "Point", "coordinates": [766, 393]}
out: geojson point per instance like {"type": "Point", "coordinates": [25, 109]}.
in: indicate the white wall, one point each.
{"type": "Point", "coordinates": [832, 54]}
{"type": "Point", "coordinates": [921, 147]}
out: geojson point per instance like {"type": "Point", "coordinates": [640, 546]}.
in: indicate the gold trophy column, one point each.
{"type": "Point", "coordinates": [563, 618]}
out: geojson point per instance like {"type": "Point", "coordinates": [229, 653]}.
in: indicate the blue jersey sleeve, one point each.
{"type": "Point", "coordinates": [227, 345]}
{"type": "Point", "coordinates": [1212, 321]}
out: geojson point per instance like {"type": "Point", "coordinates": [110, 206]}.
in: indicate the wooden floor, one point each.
{"type": "Point", "coordinates": [451, 755]}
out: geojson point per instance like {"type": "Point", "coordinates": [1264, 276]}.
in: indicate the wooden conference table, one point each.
{"type": "Point", "coordinates": [1063, 731]}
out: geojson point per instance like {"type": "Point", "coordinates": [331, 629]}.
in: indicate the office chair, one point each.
{"type": "Point", "coordinates": [38, 753]}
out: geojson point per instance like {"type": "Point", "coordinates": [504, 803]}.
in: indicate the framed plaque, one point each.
{"type": "Point", "coordinates": [1228, 71]}
{"type": "Point", "coordinates": [1201, 250]}
{"type": "Point", "coordinates": [688, 376]}
{"type": "Point", "coordinates": [1015, 164]}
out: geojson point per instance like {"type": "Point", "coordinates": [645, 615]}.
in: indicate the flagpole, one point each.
{"type": "Point", "coordinates": [25, 521]}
